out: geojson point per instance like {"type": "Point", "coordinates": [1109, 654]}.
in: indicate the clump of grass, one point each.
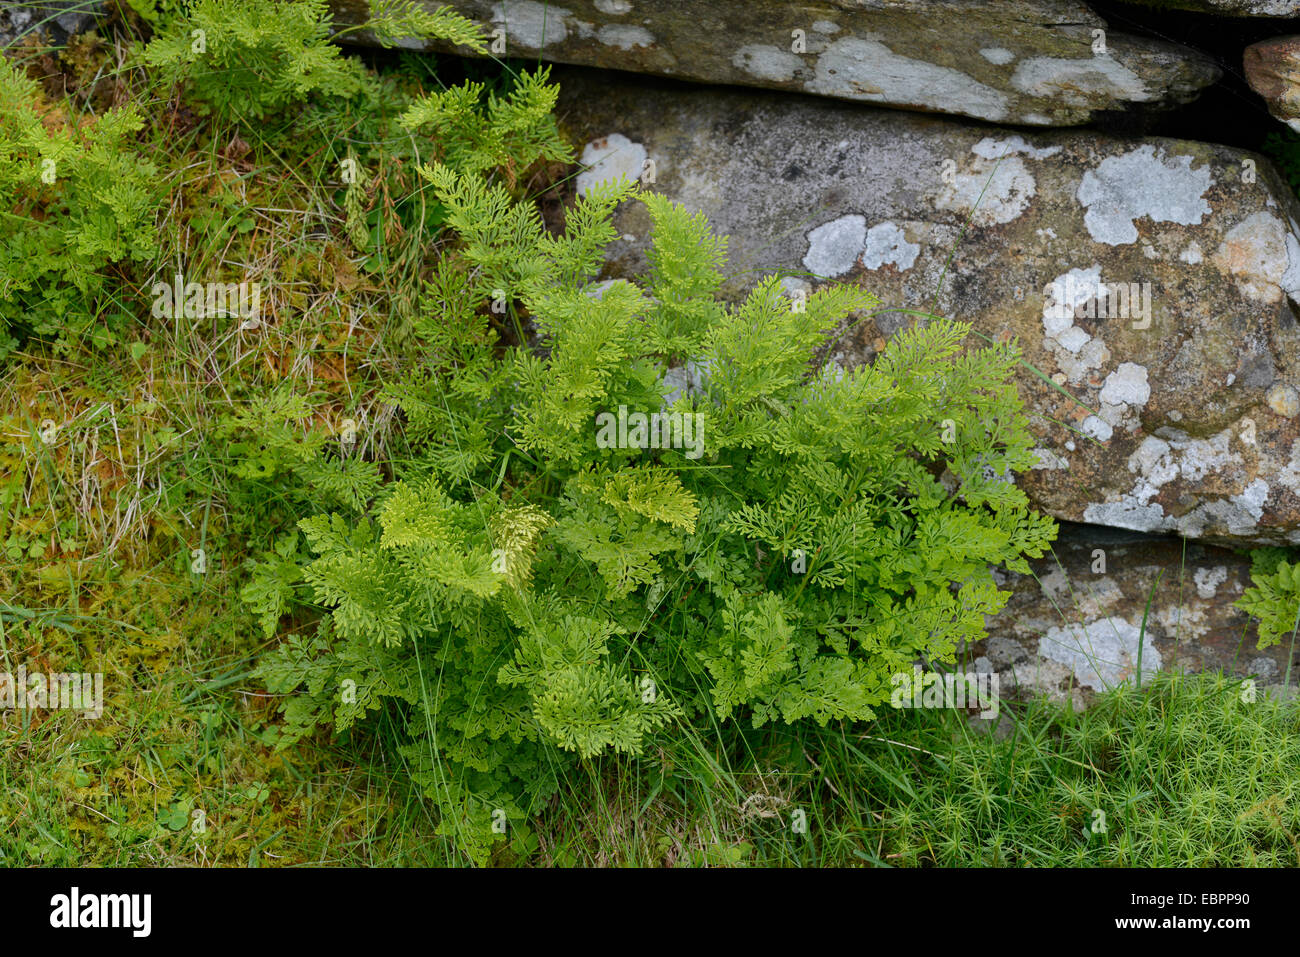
{"type": "Point", "coordinates": [1188, 771]}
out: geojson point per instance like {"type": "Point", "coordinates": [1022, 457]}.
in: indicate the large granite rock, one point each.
{"type": "Point", "coordinates": [1153, 282]}
{"type": "Point", "coordinates": [1074, 626]}
{"type": "Point", "coordinates": [1037, 62]}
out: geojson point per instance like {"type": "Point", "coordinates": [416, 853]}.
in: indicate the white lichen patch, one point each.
{"type": "Point", "coordinates": [1089, 598]}
{"type": "Point", "coordinates": [989, 192]}
{"type": "Point", "coordinates": [1047, 459]}
{"type": "Point", "coordinates": [615, 8]}
{"type": "Point", "coordinates": [886, 244]}
{"type": "Point", "coordinates": [834, 247]}
{"type": "Point", "coordinates": [625, 36]}
{"type": "Point", "coordinates": [826, 26]}
{"type": "Point", "coordinates": [1128, 511]}
{"type": "Point", "coordinates": [1182, 622]}
{"type": "Point", "coordinates": [1143, 182]}
{"type": "Point", "coordinates": [1127, 385]}
{"type": "Point", "coordinates": [1099, 429]}
{"type": "Point", "coordinates": [1078, 367]}
{"type": "Point", "coordinates": [1252, 500]}
{"type": "Point", "coordinates": [862, 69]}
{"type": "Point", "coordinates": [1178, 457]}
{"type": "Point", "coordinates": [991, 148]}
{"type": "Point", "coordinates": [1077, 353]}
{"type": "Point", "coordinates": [1192, 255]}
{"type": "Point", "coordinates": [531, 24]}
{"type": "Point", "coordinates": [1098, 597]}
{"type": "Point", "coordinates": [1208, 580]}
{"type": "Point", "coordinates": [1103, 653]}
{"type": "Point", "coordinates": [1237, 515]}
{"type": "Point", "coordinates": [1123, 395]}
{"type": "Point", "coordinates": [607, 159]}
{"type": "Point", "coordinates": [767, 62]}
{"type": "Point", "coordinates": [1289, 474]}
{"type": "Point", "coordinates": [1090, 82]}
{"type": "Point", "coordinates": [998, 56]}
{"type": "Point", "coordinates": [1062, 299]}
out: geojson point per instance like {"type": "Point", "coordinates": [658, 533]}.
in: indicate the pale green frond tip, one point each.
{"type": "Point", "coordinates": [392, 21]}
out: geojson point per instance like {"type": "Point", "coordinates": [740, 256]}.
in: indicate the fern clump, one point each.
{"type": "Point", "coordinates": [1274, 595]}
{"type": "Point", "coordinates": [474, 134]}
{"type": "Point", "coordinates": [256, 57]}
{"type": "Point", "coordinates": [252, 58]}
{"type": "Point", "coordinates": [587, 544]}
{"type": "Point", "coordinates": [75, 198]}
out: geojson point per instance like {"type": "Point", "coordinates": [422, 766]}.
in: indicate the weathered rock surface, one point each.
{"type": "Point", "coordinates": [1273, 71]}
{"type": "Point", "coordinates": [1072, 628]}
{"type": "Point", "coordinates": [1154, 281]}
{"type": "Point", "coordinates": [57, 19]}
{"type": "Point", "coordinates": [1037, 62]}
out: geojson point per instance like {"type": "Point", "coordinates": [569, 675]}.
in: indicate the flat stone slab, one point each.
{"type": "Point", "coordinates": [1036, 62]}
{"type": "Point", "coordinates": [1152, 282]}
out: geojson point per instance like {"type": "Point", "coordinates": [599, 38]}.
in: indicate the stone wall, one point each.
{"type": "Point", "coordinates": [974, 160]}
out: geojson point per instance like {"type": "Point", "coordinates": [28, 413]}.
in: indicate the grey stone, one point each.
{"type": "Point", "coordinates": [1068, 630]}
{"type": "Point", "coordinates": [1154, 282]}
{"type": "Point", "coordinates": [56, 19]}
{"type": "Point", "coordinates": [1036, 62]}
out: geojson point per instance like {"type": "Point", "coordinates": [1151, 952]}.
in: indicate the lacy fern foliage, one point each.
{"type": "Point", "coordinates": [76, 198]}
{"type": "Point", "coordinates": [1274, 595]}
{"type": "Point", "coordinates": [533, 589]}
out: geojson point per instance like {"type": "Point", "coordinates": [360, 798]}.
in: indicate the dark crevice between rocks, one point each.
{"type": "Point", "coordinates": [1101, 536]}
{"type": "Point", "coordinates": [1229, 111]}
